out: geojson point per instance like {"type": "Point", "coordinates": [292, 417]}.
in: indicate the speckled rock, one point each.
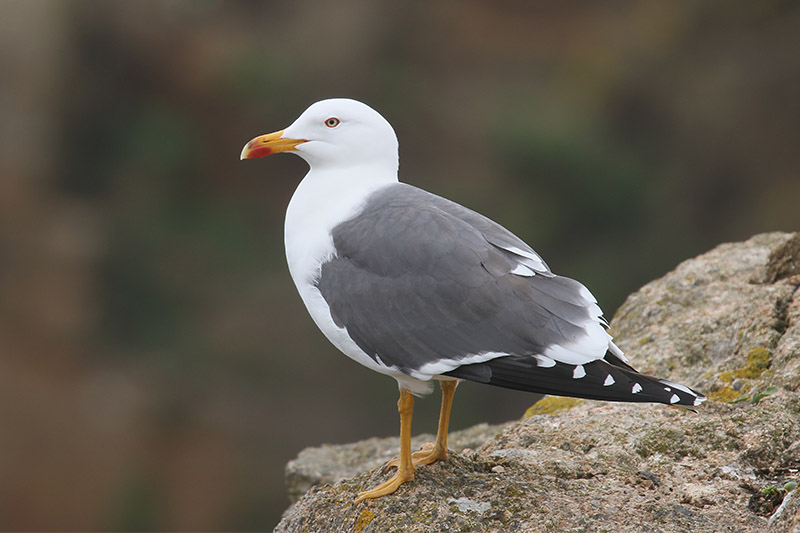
{"type": "Point", "coordinates": [329, 463]}
{"type": "Point", "coordinates": [726, 323]}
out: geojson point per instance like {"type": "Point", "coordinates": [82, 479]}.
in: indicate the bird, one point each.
{"type": "Point", "coordinates": [419, 288]}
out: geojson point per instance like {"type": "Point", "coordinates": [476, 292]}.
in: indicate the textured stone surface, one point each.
{"type": "Point", "coordinates": [329, 463]}
{"type": "Point", "coordinates": [726, 323]}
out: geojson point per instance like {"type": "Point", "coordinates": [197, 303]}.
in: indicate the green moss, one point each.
{"type": "Point", "coordinates": [758, 360]}
{"type": "Point", "coordinates": [765, 501]}
{"type": "Point", "coordinates": [552, 404]}
{"type": "Point", "coordinates": [725, 394]}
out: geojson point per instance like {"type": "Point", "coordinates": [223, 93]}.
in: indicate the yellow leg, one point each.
{"type": "Point", "coordinates": [430, 453]}
{"type": "Point", "coordinates": [405, 470]}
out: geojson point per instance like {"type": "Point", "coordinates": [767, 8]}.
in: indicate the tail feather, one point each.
{"type": "Point", "coordinates": [598, 380]}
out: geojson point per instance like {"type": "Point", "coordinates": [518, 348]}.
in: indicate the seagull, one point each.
{"type": "Point", "coordinates": [422, 289]}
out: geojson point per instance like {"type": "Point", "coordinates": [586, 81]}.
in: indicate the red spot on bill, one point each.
{"type": "Point", "coordinates": [258, 151]}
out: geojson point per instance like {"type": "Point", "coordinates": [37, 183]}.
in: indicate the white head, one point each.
{"type": "Point", "coordinates": [335, 133]}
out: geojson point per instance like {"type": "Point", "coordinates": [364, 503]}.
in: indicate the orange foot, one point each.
{"type": "Point", "coordinates": [387, 487]}
{"type": "Point", "coordinates": [427, 454]}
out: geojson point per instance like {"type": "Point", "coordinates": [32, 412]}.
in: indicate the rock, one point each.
{"type": "Point", "coordinates": [697, 494]}
{"type": "Point", "coordinates": [465, 505]}
{"type": "Point", "coordinates": [726, 323]}
{"type": "Point", "coordinates": [328, 463]}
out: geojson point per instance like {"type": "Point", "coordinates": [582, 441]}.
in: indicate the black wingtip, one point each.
{"type": "Point", "coordinates": [597, 380]}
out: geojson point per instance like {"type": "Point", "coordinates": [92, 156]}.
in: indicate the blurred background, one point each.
{"type": "Point", "coordinates": [157, 368]}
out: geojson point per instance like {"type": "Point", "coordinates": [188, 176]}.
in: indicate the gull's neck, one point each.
{"type": "Point", "coordinates": [325, 198]}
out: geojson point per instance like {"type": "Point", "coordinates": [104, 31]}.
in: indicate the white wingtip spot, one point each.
{"type": "Point", "coordinates": [636, 388]}
{"type": "Point", "coordinates": [579, 372]}
{"type": "Point", "coordinates": [699, 400]}
{"type": "Point", "coordinates": [544, 361]}
{"type": "Point", "coordinates": [674, 399]}
{"type": "Point", "coordinates": [609, 381]}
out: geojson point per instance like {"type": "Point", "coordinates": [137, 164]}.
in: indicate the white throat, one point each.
{"type": "Point", "coordinates": [325, 198]}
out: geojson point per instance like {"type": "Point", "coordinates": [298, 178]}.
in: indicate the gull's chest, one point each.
{"type": "Point", "coordinates": [317, 206]}
{"type": "Point", "coordinates": [311, 216]}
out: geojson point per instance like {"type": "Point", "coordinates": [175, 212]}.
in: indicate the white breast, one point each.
{"type": "Point", "coordinates": [321, 202]}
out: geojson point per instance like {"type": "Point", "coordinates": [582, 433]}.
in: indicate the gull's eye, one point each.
{"type": "Point", "coordinates": [332, 122]}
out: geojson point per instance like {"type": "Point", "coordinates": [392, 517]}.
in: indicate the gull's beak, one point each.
{"type": "Point", "coordinates": [271, 143]}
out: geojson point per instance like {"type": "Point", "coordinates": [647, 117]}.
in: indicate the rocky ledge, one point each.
{"type": "Point", "coordinates": [726, 323]}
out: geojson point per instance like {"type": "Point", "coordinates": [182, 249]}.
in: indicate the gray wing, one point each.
{"type": "Point", "coordinates": [418, 280]}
